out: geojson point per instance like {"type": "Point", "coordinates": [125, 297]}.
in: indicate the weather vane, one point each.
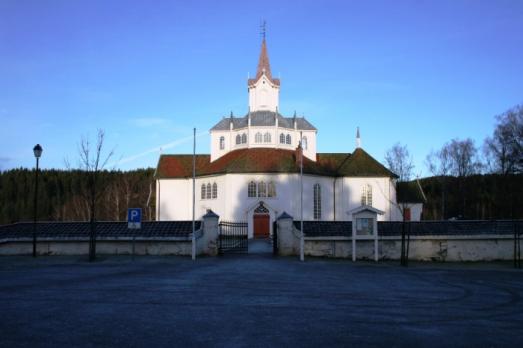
{"type": "Point", "coordinates": [263, 28]}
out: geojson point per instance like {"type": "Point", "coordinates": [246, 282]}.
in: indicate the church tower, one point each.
{"type": "Point", "coordinates": [264, 90]}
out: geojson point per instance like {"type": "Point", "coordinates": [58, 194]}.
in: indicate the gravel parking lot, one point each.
{"type": "Point", "coordinates": [256, 300]}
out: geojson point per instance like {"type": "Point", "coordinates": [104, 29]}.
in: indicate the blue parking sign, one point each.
{"type": "Point", "coordinates": [134, 218]}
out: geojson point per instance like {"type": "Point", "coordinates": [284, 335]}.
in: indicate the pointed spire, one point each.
{"type": "Point", "coordinates": [264, 67]}
{"type": "Point", "coordinates": [358, 140]}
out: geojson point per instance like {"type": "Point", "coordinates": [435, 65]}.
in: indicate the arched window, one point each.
{"type": "Point", "coordinates": [288, 139]}
{"type": "Point", "coordinates": [209, 191]}
{"type": "Point", "coordinates": [251, 190]}
{"type": "Point", "coordinates": [366, 195]}
{"type": "Point", "coordinates": [222, 143]}
{"type": "Point", "coordinates": [262, 189]}
{"type": "Point", "coordinates": [238, 139]}
{"type": "Point", "coordinates": [203, 191]}
{"type": "Point", "coordinates": [244, 138]}
{"type": "Point", "coordinates": [271, 189]}
{"type": "Point", "coordinates": [282, 138]}
{"type": "Point", "coordinates": [258, 138]}
{"type": "Point", "coordinates": [304, 143]}
{"type": "Point", "coordinates": [214, 190]}
{"type": "Point", "coordinates": [267, 137]}
{"type": "Point", "coordinates": [317, 202]}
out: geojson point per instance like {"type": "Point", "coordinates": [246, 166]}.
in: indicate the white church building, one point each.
{"type": "Point", "coordinates": [253, 171]}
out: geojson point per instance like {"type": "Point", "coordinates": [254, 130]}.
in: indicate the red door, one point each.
{"type": "Point", "coordinates": [261, 225]}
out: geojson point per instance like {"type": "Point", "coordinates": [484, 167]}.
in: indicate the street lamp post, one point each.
{"type": "Point", "coordinates": [37, 152]}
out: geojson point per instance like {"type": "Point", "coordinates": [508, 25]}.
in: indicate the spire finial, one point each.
{"type": "Point", "coordinates": [358, 140]}
{"type": "Point", "coordinates": [263, 29]}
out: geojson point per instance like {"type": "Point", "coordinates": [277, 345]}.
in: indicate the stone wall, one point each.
{"type": "Point", "coordinates": [464, 244]}
{"type": "Point", "coordinates": [426, 248]}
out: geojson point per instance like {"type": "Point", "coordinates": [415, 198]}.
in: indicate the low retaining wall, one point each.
{"type": "Point", "coordinates": [425, 248]}
{"type": "Point", "coordinates": [429, 240]}
{"type": "Point", "coordinates": [164, 246]}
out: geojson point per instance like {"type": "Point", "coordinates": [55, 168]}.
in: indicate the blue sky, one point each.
{"type": "Point", "coordinates": [417, 72]}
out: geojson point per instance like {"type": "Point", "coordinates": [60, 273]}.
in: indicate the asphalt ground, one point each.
{"type": "Point", "coordinates": [256, 301]}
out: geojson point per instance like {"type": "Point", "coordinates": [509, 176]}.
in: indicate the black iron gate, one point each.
{"type": "Point", "coordinates": [233, 237]}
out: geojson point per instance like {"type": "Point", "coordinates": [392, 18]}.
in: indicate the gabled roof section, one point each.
{"type": "Point", "coordinates": [264, 67]}
{"type": "Point", "coordinates": [263, 118]}
{"type": "Point", "coordinates": [269, 160]}
{"type": "Point", "coordinates": [363, 164]}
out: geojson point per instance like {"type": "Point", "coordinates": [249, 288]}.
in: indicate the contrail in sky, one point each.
{"type": "Point", "coordinates": [156, 149]}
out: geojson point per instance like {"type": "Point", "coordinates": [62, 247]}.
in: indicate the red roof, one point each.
{"type": "Point", "coordinates": [270, 160]}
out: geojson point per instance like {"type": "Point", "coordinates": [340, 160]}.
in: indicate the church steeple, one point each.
{"type": "Point", "coordinates": [264, 91]}
{"type": "Point", "coordinates": [264, 67]}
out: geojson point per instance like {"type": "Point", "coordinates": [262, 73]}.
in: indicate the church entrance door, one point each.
{"type": "Point", "coordinates": [261, 222]}
{"type": "Point", "coordinates": [261, 225]}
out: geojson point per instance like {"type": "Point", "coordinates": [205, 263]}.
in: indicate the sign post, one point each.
{"type": "Point", "coordinates": [134, 222]}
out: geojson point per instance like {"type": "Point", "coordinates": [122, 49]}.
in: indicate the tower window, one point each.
{"type": "Point", "coordinates": [238, 139]}
{"type": "Point", "coordinates": [258, 138]}
{"type": "Point", "coordinates": [222, 143]}
{"type": "Point", "coordinates": [244, 138]}
{"type": "Point", "coordinates": [282, 138]}
{"type": "Point", "coordinates": [304, 143]}
{"type": "Point", "coordinates": [288, 139]}
{"type": "Point", "coordinates": [267, 137]}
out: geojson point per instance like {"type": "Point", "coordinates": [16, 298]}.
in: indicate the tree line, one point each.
{"type": "Point", "coordinates": [471, 182]}
{"type": "Point", "coordinates": [63, 195]}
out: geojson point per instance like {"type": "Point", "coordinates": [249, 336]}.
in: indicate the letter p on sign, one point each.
{"type": "Point", "coordinates": [134, 218]}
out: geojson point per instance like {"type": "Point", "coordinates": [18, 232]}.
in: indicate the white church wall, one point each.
{"type": "Point", "coordinates": [382, 196]}
{"type": "Point", "coordinates": [264, 95]}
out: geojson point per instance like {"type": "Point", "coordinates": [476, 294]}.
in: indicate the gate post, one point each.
{"type": "Point", "coordinates": [209, 240]}
{"type": "Point", "coordinates": [288, 239]}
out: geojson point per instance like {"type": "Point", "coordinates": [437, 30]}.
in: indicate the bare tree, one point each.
{"type": "Point", "coordinates": [504, 150]}
{"type": "Point", "coordinates": [439, 164]}
{"type": "Point", "coordinates": [399, 161]}
{"type": "Point", "coordinates": [92, 160]}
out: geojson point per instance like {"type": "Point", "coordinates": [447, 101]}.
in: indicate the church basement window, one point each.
{"type": "Point", "coordinates": [251, 190]}
{"type": "Point", "coordinates": [317, 202]}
